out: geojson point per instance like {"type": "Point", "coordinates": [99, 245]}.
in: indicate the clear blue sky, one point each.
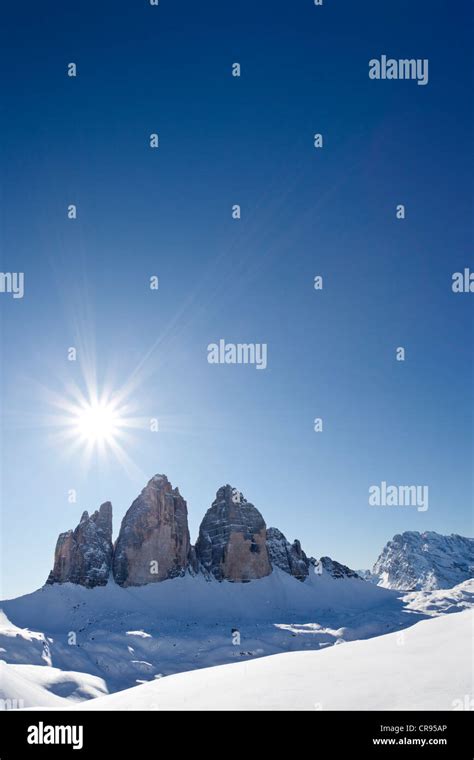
{"type": "Point", "coordinates": [223, 140]}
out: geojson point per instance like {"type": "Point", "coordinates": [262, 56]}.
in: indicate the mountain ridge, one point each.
{"type": "Point", "coordinates": [234, 544]}
{"type": "Point", "coordinates": [154, 545]}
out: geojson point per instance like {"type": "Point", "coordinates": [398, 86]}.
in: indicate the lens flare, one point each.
{"type": "Point", "coordinates": [95, 425]}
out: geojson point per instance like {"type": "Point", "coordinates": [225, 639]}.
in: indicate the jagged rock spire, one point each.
{"type": "Point", "coordinates": [84, 555]}
{"type": "Point", "coordinates": [232, 539]}
{"type": "Point", "coordinates": [153, 543]}
{"type": "Point", "coordinates": [288, 557]}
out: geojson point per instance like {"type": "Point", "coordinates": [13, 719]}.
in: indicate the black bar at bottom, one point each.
{"type": "Point", "coordinates": [99, 733]}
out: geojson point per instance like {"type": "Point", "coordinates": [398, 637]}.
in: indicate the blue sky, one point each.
{"type": "Point", "coordinates": [305, 212]}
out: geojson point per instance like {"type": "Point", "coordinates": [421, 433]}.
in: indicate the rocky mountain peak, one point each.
{"type": "Point", "coordinates": [84, 555]}
{"type": "Point", "coordinates": [232, 539]}
{"type": "Point", "coordinates": [153, 543]}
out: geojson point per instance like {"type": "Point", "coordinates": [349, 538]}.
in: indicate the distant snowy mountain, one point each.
{"type": "Point", "coordinates": [424, 561]}
{"type": "Point", "coordinates": [368, 575]}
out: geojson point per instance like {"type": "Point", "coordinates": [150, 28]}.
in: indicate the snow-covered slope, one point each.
{"type": "Point", "coordinates": [443, 601]}
{"type": "Point", "coordinates": [194, 598]}
{"type": "Point", "coordinates": [422, 668]}
{"type": "Point", "coordinates": [23, 686]}
{"type": "Point", "coordinates": [23, 645]}
{"type": "Point", "coordinates": [425, 561]}
{"type": "Point", "coordinates": [135, 635]}
{"type": "Point", "coordinates": [190, 622]}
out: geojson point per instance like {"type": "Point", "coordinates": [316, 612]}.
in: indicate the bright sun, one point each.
{"type": "Point", "coordinates": [97, 423]}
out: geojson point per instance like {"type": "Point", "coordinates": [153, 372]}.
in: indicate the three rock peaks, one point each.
{"type": "Point", "coordinates": [154, 543]}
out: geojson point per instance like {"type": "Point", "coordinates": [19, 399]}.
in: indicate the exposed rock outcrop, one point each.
{"type": "Point", "coordinates": [425, 561]}
{"type": "Point", "coordinates": [335, 569]}
{"type": "Point", "coordinates": [232, 539]}
{"type": "Point", "coordinates": [153, 543]}
{"type": "Point", "coordinates": [288, 557]}
{"type": "Point", "coordinates": [84, 555]}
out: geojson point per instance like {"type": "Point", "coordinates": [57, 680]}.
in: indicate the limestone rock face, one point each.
{"type": "Point", "coordinates": [288, 557]}
{"type": "Point", "coordinates": [153, 543]}
{"type": "Point", "coordinates": [335, 569]}
{"type": "Point", "coordinates": [232, 539]}
{"type": "Point", "coordinates": [84, 555]}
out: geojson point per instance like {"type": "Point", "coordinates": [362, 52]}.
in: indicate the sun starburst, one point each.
{"type": "Point", "coordinates": [95, 424]}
